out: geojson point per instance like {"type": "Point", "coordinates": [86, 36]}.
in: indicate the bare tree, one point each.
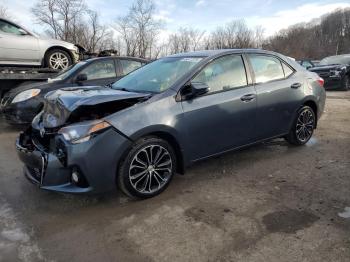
{"type": "Point", "coordinates": [330, 35]}
{"type": "Point", "coordinates": [139, 28]}
{"type": "Point", "coordinates": [4, 13]}
{"type": "Point", "coordinates": [185, 39]}
{"type": "Point", "coordinates": [234, 34]}
{"type": "Point", "coordinates": [71, 20]}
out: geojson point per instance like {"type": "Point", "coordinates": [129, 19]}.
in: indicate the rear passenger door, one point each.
{"type": "Point", "coordinates": [224, 117]}
{"type": "Point", "coordinates": [279, 93]}
{"type": "Point", "coordinates": [128, 65]}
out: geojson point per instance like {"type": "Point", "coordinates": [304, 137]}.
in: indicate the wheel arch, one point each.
{"type": "Point", "coordinates": [170, 135]}
{"type": "Point", "coordinates": [180, 166]}
{"type": "Point", "coordinates": [56, 47]}
{"type": "Point", "coordinates": [311, 103]}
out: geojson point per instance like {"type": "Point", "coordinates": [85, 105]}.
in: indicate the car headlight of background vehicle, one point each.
{"type": "Point", "coordinates": [82, 132]}
{"type": "Point", "coordinates": [25, 95]}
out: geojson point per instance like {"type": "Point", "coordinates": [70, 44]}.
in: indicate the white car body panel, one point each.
{"type": "Point", "coordinates": [29, 49]}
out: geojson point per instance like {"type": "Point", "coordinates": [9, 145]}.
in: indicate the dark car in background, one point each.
{"type": "Point", "coordinates": [308, 63]}
{"type": "Point", "coordinates": [165, 116]}
{"type": "Point", "coordinates": [20, 105]}
{"type": "Point", "coordinates": [335, 70]}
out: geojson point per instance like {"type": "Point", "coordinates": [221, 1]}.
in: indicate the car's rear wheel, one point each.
{"type": "Point", "coordinates": [148, 168]}
{"type": "Point", "coordinates": [303, 126]}
{"type": "Point", "coordinates": [57, 59]}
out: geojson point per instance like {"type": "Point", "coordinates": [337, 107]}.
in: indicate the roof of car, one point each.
{"type": "Point", "coordinates": [117, 57]}
{"type": "Point", "coordinates": [343, 55]}
{"type": "Point", "coordinates": [207, 53]}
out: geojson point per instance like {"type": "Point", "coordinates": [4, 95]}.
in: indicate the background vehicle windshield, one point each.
{"type": "Point", "coordinates": [157, 76]}
{"type": "Point", "coordinates": [332, 60]}
{"type": "Point", "coordinates": [67, 72]}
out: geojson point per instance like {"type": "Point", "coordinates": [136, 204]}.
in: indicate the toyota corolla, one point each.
{"type": "Point", "coordinates": [165, 116]}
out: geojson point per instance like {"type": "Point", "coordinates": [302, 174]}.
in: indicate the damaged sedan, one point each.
{"type": "Point", "coordinates": [163, 117]}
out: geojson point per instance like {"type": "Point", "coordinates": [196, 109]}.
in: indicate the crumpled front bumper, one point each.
{"type": "Point", "coordinates": [96, 161]}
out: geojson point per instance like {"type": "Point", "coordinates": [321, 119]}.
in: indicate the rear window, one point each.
{"type": "Point", "coordinates": [129, 66]}
{"type": "Point", "coordinates": [266, 68]}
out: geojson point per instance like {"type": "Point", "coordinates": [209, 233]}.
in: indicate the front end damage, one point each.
{"type": "Point", "coordinates": [54, 161]}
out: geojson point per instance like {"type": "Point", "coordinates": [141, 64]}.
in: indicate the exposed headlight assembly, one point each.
{"type": "Point", "coordinates": [25, 95]}
{"type": "Point", "coordinates": [82, 132]}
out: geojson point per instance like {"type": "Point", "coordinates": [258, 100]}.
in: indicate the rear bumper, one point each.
{"type": "Point", "coordinates": [96, 162]}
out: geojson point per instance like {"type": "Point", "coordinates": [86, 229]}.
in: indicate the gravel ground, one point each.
{"type": "Point", "coordinates": [271, 202]}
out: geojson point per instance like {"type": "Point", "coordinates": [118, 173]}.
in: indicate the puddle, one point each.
{"type": "Point", "coordinates": [288, 221]}
{"type": "Point", "coordinates": [346, 213]}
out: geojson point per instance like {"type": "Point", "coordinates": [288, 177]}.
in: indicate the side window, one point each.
{"type": "Point", "coordinates": [129, 65]}
{"type": "Point", "coordinates": [224, 73]}
{"type": "Point", "coordinates": [306, 64]}
{"type": "Point", "coordinates": [9, 28]}
{"type": "Point", "coordinates": [266, 68]}
{"type": "Point", "coordinates": [287, 70]}
{"type": "Point", "coordinates": [100, 69]}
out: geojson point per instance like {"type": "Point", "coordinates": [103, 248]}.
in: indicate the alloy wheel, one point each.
{"type": "Point", "coordinates": [58, 60]}
{"type": "Point", "coordinates": [305, 125]}
{"type": "Point", "coordinates": [150, 169]}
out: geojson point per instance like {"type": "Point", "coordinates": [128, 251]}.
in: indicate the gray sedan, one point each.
{"type": "Point", "coordinates": [19, 46]}
{"type": "Point", "coordinates": [163, 117]}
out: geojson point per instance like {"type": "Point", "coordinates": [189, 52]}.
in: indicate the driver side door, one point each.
{"type": "Point", "coordinates": [225, 117]}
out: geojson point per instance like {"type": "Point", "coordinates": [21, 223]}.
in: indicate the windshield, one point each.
{"type": "Point", "coordinates": [333, 60]}
{"type": "Point", "coordinates": [67, 72]}
{"type": "Point", "coordinates": [157, 76]}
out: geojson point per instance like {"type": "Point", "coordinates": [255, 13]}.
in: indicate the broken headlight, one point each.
{"type": "Point", "coordinates": [25, 95]}
{"type": "Point", "coordinates": [82, 132]}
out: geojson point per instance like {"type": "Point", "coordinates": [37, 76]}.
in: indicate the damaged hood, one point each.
{"type": "Point", "coordinates": [87, 101]}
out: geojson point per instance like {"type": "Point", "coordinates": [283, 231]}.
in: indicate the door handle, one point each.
{"type": "Point", "coordinates": [247, 98]}
{"type": "Point", "coordinates": [295, 85]}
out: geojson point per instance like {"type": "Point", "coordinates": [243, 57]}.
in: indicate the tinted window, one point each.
{"type": "Point", "coordinates": [266, 68]}
{"type": "Point", "coordinates": [129, 66]}
{"type": "Point", "coordinates": [9, 28]}
{"type": "Point", "coordinates": [287, 70]}
{"type": "Point", "coordinates": [100, 69]}
{"type": "Point", "coordinates": [223, 73]}
{"type": "Point", "coordinates": [306, 64]}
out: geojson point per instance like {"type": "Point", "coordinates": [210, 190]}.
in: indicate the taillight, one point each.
{"type": "Point", "coordinates": [320, 80]}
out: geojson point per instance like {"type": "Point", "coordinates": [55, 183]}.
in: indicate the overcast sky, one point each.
{"type": "Point", "coordinates": [273, 15]}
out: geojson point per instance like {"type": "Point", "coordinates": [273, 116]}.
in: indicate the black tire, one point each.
{"type": "Point", "coordinates": [346, 83]}
{"type": "Point", "coordinates": [131, 167]}
{"type": "Point", "coordinates": [301, 133]}
{"type": "Point", "coordinates": [66, 59]}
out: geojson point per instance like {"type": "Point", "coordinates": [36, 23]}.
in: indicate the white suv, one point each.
{"type": "Point", "coordinates": [18, 46]}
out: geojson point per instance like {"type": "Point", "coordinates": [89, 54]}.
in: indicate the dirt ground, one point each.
{"type": "Point", "coordinates": [271, 202]}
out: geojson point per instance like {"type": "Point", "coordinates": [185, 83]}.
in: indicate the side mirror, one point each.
{"type": "Point", "coordinates": [194, 89]}
{"type": "Point", "coordinates": [81, 78]}
{"type": "Point", "coordinates": [308, 67]}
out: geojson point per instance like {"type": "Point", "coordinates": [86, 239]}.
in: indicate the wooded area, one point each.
{"type": "Point", "coordinates": [137, 33]}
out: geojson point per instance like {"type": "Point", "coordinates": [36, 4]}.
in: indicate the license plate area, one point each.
{"type": "Point", "coordinates": [34, 159]}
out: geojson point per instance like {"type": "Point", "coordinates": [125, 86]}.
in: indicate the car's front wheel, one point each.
{"type": "Point", "coordinates": [303, 126]}
{"type": "Point", "coordinates": [57, 59]}
{"type": "Point", "coordinates": [148, 168]}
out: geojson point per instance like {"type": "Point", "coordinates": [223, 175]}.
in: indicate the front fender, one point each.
{"type": "Point", "coordinates": [160, 115]}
